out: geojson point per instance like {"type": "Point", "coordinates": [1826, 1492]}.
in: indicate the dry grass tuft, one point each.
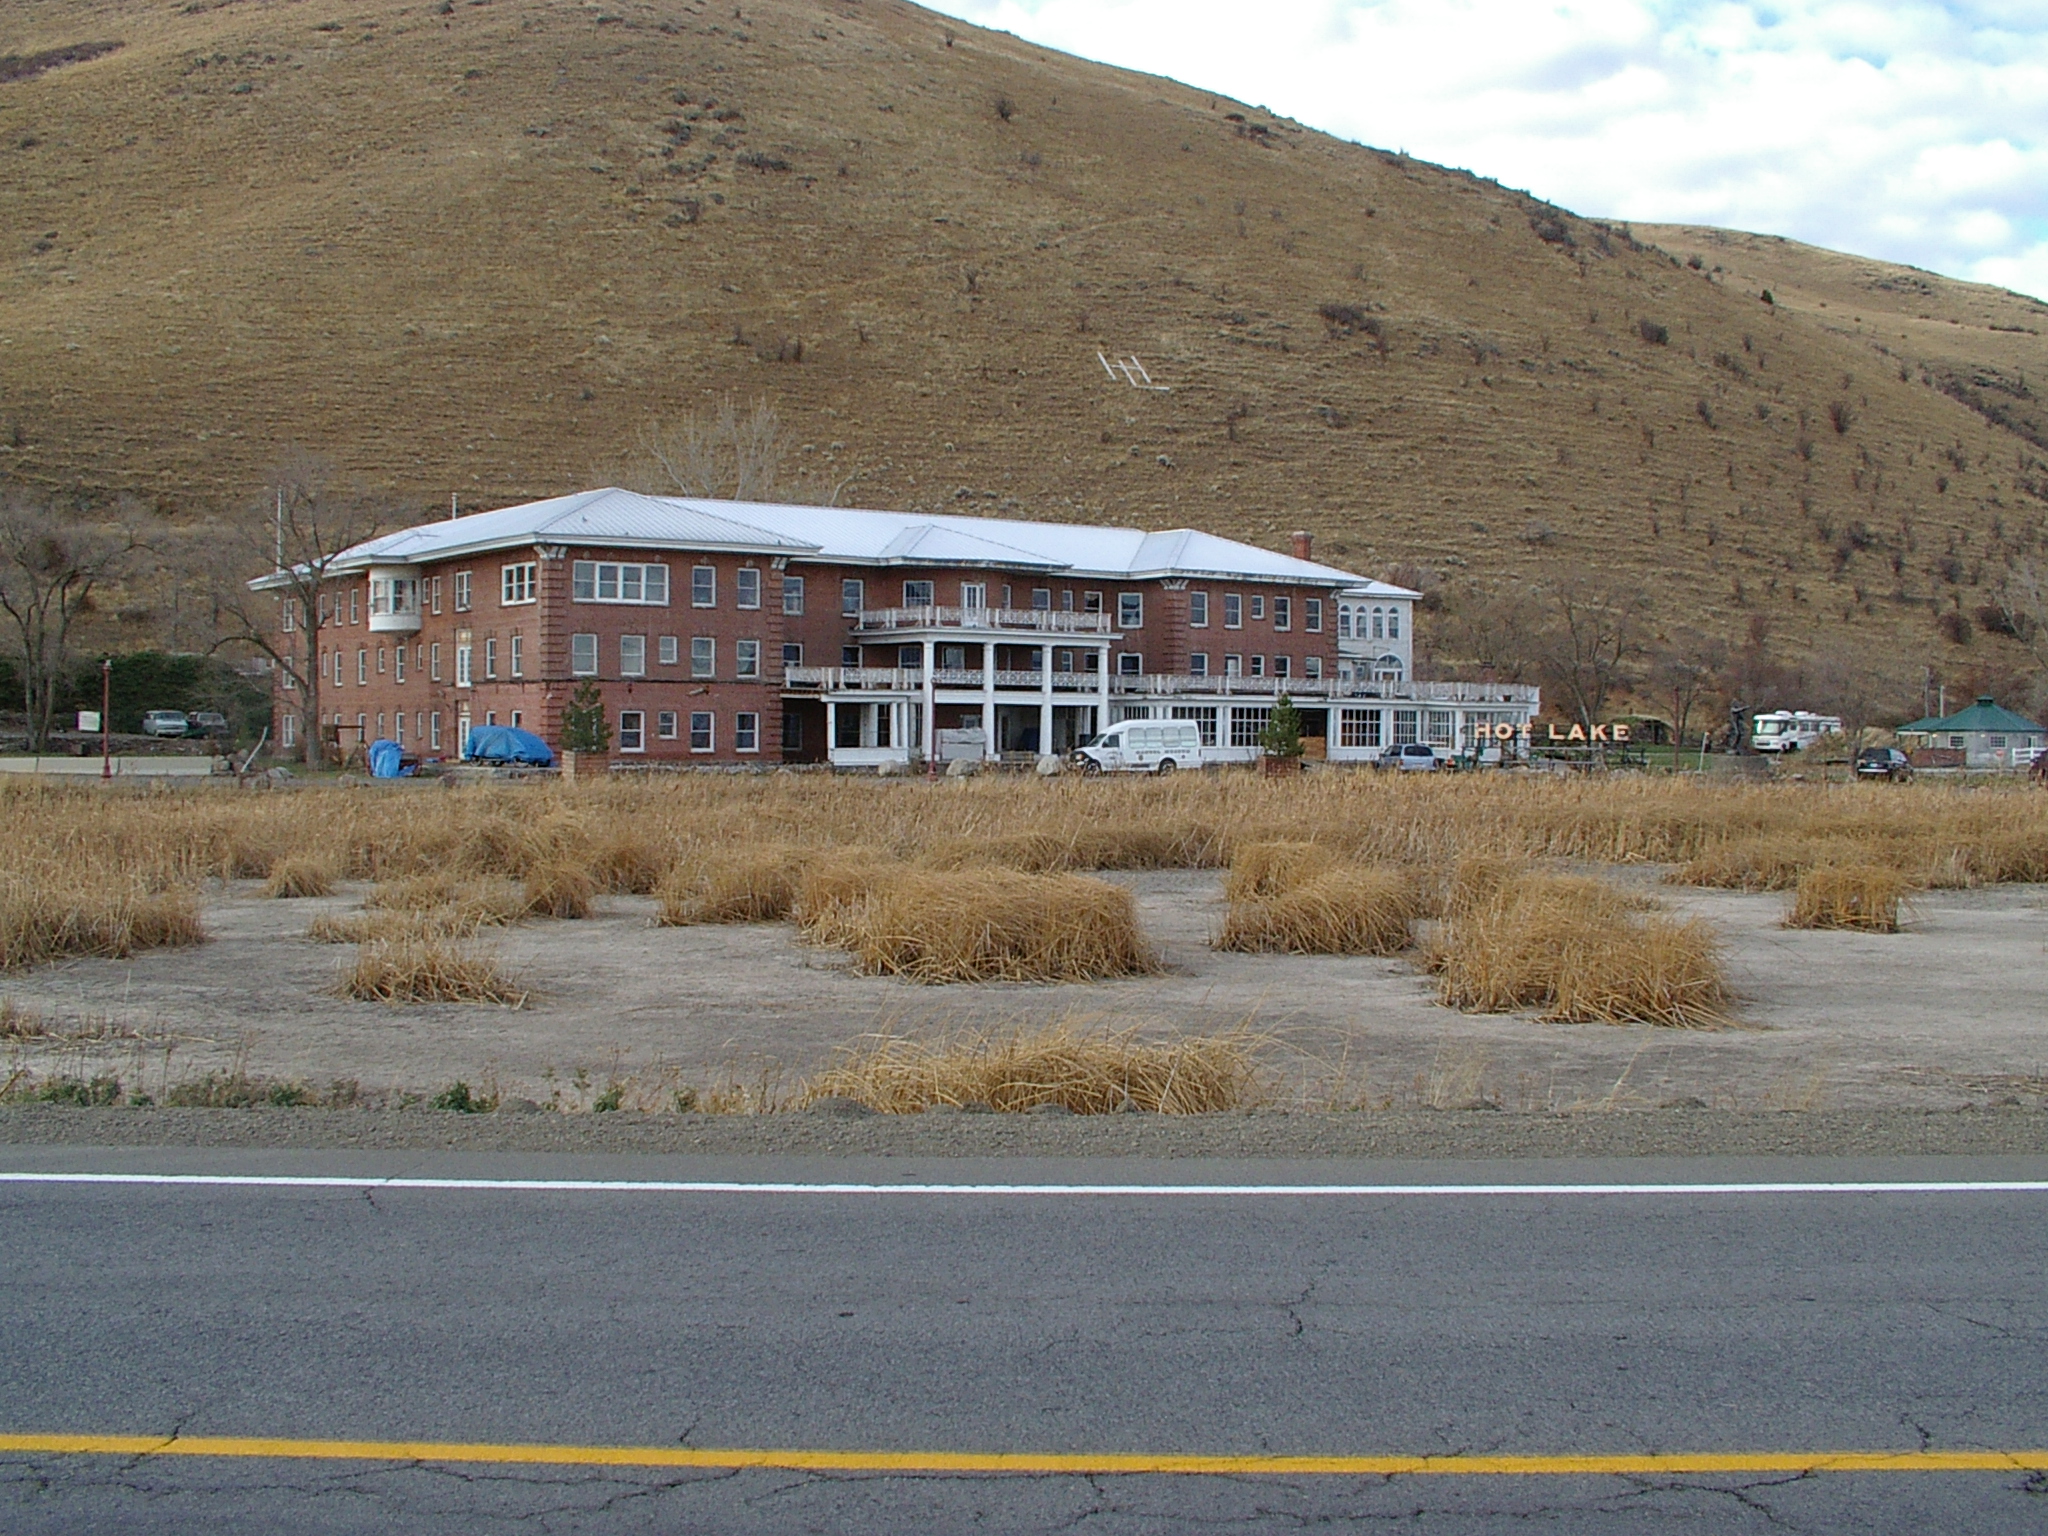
{"type": "Point", "coordinates": [419, 969]}
{"type": "Point", "coordinates": [1261, 870]}
{"type": "Point", "coordinates": [559, 888]}
{"type": "Point", "coordinates": [733, 885]}
{"type": "Point", "coordinates": [40, 922]}
{"type": "Point", "coordinates": [994, 925]}
{"type": "Point", "coordinates": [835, 890]}
{"type": "Point", "coordinates": [1340, 912]}
{"type": "Point", "coordinates": [1086, 1072]}
{"type": "Point", "coordinates": [630, 863]}
{"type": "Point", "coordinates": [1861, 896]}
{"type": "Point", "coordinates": [1581, 952]}
{"type": "Point", "coordinates": [298, 875]}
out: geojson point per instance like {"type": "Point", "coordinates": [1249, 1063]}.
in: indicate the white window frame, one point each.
{"type": "Point", "coordinates": [1312, 615]}
{"type": "Point", "coordinates": [1198, 664]}
{"type": "Point", "coordinates": [1283, 612]}
{"type": "Point", "coordinates": [792, 595]}
{"type": "Point", "coordinates": [852, 596]}
{"type": "Point", "coordinates": [1130, 610]}
{"type": "Point", "coordinates": [665, 726]}
{"type": "Point", "coordinates": [398, 666]}
{"type": "Point", "coordinates": [708, 730]}
{"type": "Point", "coordinates": [974, 596]}
{"type": "Point", "coordinates": [1198, 610]}
{"type": "Point", "coordinates": [746, 658]}
{"type": "Point", "coordinates": [1233, 610]}
{"type": "Point", "coordinates": [703, 586]}
{"type": "Point", "coordinates": [1312, 666]}
{"type": "Point", "coordinates": [434, 662]}
{"type": "Point", "coordinates": [583, 657]}
{"type": "Point", "coordinates": [669, 651]}
{"type": "Point", "coordinates": [626, 583]}
{"type": "Point", "coordinates": [491, 657]}
{"type": "Point", "coordinates": [919, 594]}
{"type": "Point", "coordinates": [462, 665]}
{"type": "Point", "coordinates": [518, 654]}
{"type": "Point", "coordinates": [746, 738]}
{"type": "Point", "coordinates": [288, 731]}
{"type": "Point", "coordinates": [703, 656]}
{"type": "Point", "coordinates": [792, 653]}
{"type": "Point", "coordinates": [517, 584]}
{"type": "Point", "coordinates": [362, 666]}
{"type": "Point", "coordinates": [462, 591]}
{"type": "Point", "coordinates": [633, 737]}
{"type": "Point", "coordinates": [434, 731]}
{"type": "Point", "coordinates": [746, 587]}
{"type": "Point", "coordinates": [632, 655]}
{"type": "Point", "coordinates": [1259, 605]}
{"type": "Point", "coordinates": [1130, 664]}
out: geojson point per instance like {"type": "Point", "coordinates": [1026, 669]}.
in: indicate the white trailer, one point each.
{"type": "Point", "coordinates": [1791, 730]}
{"type": "Point", "coordinates": [1143, 746]}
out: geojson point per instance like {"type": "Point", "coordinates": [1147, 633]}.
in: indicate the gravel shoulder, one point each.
{"type": "Point", "coordinates": [1402, 1135]}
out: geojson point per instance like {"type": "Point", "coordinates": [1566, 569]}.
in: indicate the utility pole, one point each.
{"type": "Point", "coordinates": [106, 717]}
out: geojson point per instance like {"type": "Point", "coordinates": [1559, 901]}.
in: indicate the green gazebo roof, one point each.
{"type": "Point", "coordinates": [1984, 715]}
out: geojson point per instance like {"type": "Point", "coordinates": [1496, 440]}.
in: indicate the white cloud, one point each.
{"type": "Point", "coordinates": [1915, 132]}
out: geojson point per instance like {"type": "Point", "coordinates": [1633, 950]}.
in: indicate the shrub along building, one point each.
{"type": "Point", "coordinates": [735, 633]}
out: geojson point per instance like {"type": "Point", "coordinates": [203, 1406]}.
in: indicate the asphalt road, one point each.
{"type": "Point", "coordinates": [1228, 1323]}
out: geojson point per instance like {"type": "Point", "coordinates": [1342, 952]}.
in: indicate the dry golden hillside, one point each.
{"type": "Point", "coordinates": [474, 246]}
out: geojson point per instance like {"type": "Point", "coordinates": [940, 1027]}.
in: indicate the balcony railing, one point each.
{"type": "Point", "coordinates": [1032, 620]}
{"type": "Point", "coordinates": [1161, 685]}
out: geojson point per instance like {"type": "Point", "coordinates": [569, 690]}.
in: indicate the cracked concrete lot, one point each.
{"type": "Point", "coordinates": [1948, 1012]}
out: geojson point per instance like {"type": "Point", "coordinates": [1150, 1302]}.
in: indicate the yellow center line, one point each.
{"type": "Point", "coordinates": [1086, 1463]}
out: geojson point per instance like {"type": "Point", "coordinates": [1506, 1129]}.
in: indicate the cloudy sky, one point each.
{"type": "Point", "coordinates": [1917, 132]}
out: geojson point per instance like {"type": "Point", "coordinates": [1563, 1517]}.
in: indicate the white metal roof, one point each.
{"type": "Point", "coordinates": [851, 536]}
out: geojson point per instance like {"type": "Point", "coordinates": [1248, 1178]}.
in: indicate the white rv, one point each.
{"type": "Point", "coordinates": [1143, 746]}
{"type": "Point", "coordinates": [1791, 730]}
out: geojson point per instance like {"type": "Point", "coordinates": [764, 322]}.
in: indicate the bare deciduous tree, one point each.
{"type": "Point", "coordinates": [1683, 671]}
{"type": "Point", "coordinates": [51, 564]}
{"type": "Point", "coordinates": [1584, 646]}
{"type": "Point", "coordinates": [307, 519]}
{"type": "Point", "coordinates": [2022, 601]}
{"type": "Point", "coordinates": [727, 455]}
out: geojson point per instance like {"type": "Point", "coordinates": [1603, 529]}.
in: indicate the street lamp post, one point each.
{"type": "Point", "coordinates": [106, 717]}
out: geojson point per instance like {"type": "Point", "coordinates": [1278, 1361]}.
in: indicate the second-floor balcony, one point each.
{"type": "Point", "coordinates": [1042, 621]}
{"type": "Point", "coordinates": [1157, 685]}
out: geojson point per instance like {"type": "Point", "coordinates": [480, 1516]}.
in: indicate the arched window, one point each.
{"type": "Point", "coordinates": [1394, 623]}
{"type": "Point", "coordinates": [1379, 623]}
{"type": "Point", "coordinates": [1343, 621]}
{"type": "Point", "coordinates": [1387, 669]}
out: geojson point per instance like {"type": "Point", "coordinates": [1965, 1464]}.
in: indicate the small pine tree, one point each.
{"type": "Point", "coordinates": [583, 724]}
{"type": "Point", "coordinates": [1282, 736]}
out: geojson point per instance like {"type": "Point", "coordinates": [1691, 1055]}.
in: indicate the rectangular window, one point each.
{"type": "Point", "coordinates": [1407, 727]}
{"type": "Point", "coordinates": [1283, 666]}
{"type": "Point", "coordinates": [703, 656]}
{"type": "Point", "coordinates": [602, 581]}
{"type": "Point", "coordinates": [355, 605]}
{"type": "Point", "coordinates": [1066, 600]}
{"type": "Point", "coordinates": [1041, 599]}
{"type": "Point", "coordinates": [362, 666]}
{"type": "Point", "coordinates": [746, 587]}
{"type": "Point", "coordinates": [434, 596]}
{"type": "Point", "coordinates": [792, 594]}
{"type": "Point", "coordinates": [792, 654]}
{"type": "Point", "coordinates": [1247, 726]}
{"type": "Point", "coordinates": [1198, 610]}
{"type": "Point", "coordinates": [1198, 664]}
{"type": "Point", "coordinates": [671, 650]}
{"type": "Point", "coordinates": [700, 730]}
{"type": "Point", "coordinates": [1130, 664]}
{"type": "Point", "coordinates": [1393, 623]}
{"type": "Point", "coordinates": [703, 586]}
{"type": "Point", "coordinates": [1258, 666]}
{"type": "Point", "coordinates": [398, 665]}
{"type": "Point", "coordinates": [1283, 613]}
{"type": "Point", "coordinates": [1258, 605]}
{"type": "Point", "coordinates": [746, 731]}
{"type": "Point", "coordinates": [434, 662]}
{"type": "Point", "coordinates": [973, 594]}
{"type": "Point", "coordinates": [1360, 727]}
{"type": "Point", "coordinates": [632, 655]}
{"type": "Point", "coordinates": [792, 731]}
{"type": "Point", "coordinates": [462, 591]}
{"type": "Point", "coordinates": [518, 719]}
{"type": "Point", "coordinates": [291, 610]}
{"type": "Point", "coordinates": [519, 655]}
{"type": "Point", "coordinates": [917, 594]}
{"type": "Point", "coordinates": [1130, 610]}
{"type": "Point", "coordinates": [434, 731]}
{"type": "Point", "coordinates": [665, 725]}
{"type": "Point", "coordinates": [289, 679]}
{"type": "Point", "coordinates": [746, 658]}
{"type": "Point", "coordinates": [288, 732]}
{"type": "Point", "coordinates": [398, 728]}
{"type": "Point", "coordinates": [1204, 715]}
{"type": "Point", "coordinates": [1233, 611]}
{"type": "Point", "coordinates": [1091, 602]}
{"type": "Point", "coordinates": [515, 584]}
{"type": "Point", "coordinates": [1312, 615]}
{"type": "Point", "coordinates": [1233, 666]}
{"type": "Point", "coordinates": [1312, 666]}
{"type": "Point", "coordinates": [383, 659]}
{"type": "Point", "coordinates": [849, 656]}
{"type": "Point", "coordinates": [323, 607]}
{"type": "Point", "coordinates": [850, 597]}
{"type": "Point", "coordinates": [632, 730]}
{"type": "Point", "coordinates": [462, 674]}
{"type": "Point", "coordinates": [910, 658]}
{"type": "Point", "coordinates": [1439, 722]}
{"type": "Point", "coordinates": [1007, 600]}
{"type": "Point", "coordinates": [583, 655]}
{"type": "Point", "coordinates": [491, 658]}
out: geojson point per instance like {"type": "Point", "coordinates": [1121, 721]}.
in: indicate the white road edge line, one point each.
{"type": "Point", "coordinates": [1148, 1191]}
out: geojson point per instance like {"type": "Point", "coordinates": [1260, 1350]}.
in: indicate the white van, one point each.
{"type": "Point", "coordinates": [1791, 730]}
{"type": "Point", "coordinates": [1143, 746]}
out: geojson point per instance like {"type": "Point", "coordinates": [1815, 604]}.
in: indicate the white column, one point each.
{"type": "Point", "coordinates": [988, 700]}
{"type": "Point", "coordinates": [1044, 700]}
{"type": "Point", "coordinates": [1102, 717]}
{"type": "Point", "coordinates": [831, 729]}
{"type": "Point", "coordinates": [931, 689]}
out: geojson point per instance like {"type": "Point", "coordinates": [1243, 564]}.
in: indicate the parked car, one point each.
{"type": "Point", "coordinates": [1411, 757]}
{"type": "Point", "coordinates": [1883, 763]}
{"type": "Point", "coordinates": [1143, 746]}
{"type": "Point", "coordinates": [208, 722]}
{"type": "Point", "coordinates": [165, 722]}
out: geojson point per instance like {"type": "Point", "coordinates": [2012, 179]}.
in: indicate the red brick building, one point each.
{"type": "Point", "coordinates": [736, 633]}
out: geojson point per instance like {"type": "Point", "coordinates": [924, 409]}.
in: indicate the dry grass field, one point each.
{"type": "Point", "coordinates": [477, 247]}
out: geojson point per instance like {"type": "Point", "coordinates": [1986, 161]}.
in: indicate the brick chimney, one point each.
{"type": "Point", "coordinates": [1301, 541]}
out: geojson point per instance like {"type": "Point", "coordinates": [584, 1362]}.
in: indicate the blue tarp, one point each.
{"type": "Point", "coordinates": [384, 759]}
{"type": "Point", "coordinates": [506, 744]}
